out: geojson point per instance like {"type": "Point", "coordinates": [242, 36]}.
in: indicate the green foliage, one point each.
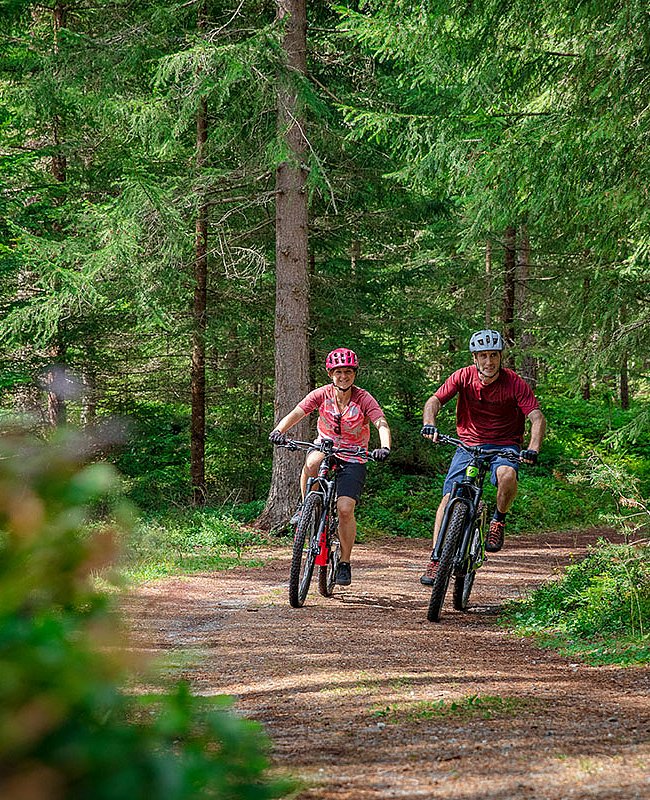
{"type": "Point", "coordinates": [188, 541]}
{"type": "Point", "coordinates": [65, 726]}
{"type": "Point", "coordinates": [599, 607]}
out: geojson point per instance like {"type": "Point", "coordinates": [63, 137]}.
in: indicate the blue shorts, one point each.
{"type": "Point", "coordinates": [461, 459]}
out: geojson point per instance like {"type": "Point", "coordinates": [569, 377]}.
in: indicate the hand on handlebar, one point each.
{"type": "Point", "coordinates": [277, 437]}
{"type": "Point", "coordinates": [380, 454]}
{"type": "Point", "coordinates": [529, 456]}
{"type": "Point", "coordinates": [430, 432]}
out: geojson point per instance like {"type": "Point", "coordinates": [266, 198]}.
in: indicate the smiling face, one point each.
{"type": "Point", "coordinates": [488, 363]}
{"type": "Point", "coordinates": [343, 377]}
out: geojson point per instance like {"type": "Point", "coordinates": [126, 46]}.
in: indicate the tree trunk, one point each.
{"type": "Point", "coordinates": [624, 384]}
{"type": "Point", "coordinates": [89, 398]}
{"type": "Point", "coordinates": [488, 284]}
{"type": "Point", "coordinates": [292, 278]}
{"type": "Point", "coordinates": [525, 310]}
{"type": "Point", "coordinates": [197, 379]}
{"type": "Point", "coordinates": [56, 412]}
{"type": "Point", "coordinates": [55, 387]}
{"type": "Point", "coordinates": [199, 309]}
{"type": "Point", "coordinates": [509, 283]}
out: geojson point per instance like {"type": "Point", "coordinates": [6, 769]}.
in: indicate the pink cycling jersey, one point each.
{"type": "Point", "coordinates": [493, 413]}
{"type": "Point", "coordinates": [348, 429]}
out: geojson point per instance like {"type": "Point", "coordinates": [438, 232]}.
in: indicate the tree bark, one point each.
{"type": "Point", "coordinates": [197, 376]}
{"type": "Point", "coordinates": [509, 283]}
{"type": "Point", "coordinates": [292, 277]}
{"type": "Point", "coordinates": [56, 412]}
{"type": "Point", "coordinates": [199, 311]}
{"type": "Point", "coordinates": [624, 384]}
{"type": "Point", "coordinates": [525, 311]}
{"type": "Point", "coordinates": [488, 284]}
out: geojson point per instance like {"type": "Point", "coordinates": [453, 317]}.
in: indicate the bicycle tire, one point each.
{"type": "Point", "coordinates": [304, 553]}
{"type": "Point", "coordinates": [452, 534]}
{"type": "Point", "coordinates": [327, 573]}
{"type": "Point", "coordinates": [462, 589]}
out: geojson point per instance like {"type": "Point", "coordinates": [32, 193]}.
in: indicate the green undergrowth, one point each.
{"type": "Point", "coordinates": [598, 610]}
{"type": "Point", "coordinates": [471, 707]}
{"type": "Point", "coordinates": [189, 541]}
{"type": "Point", "coordinates": [406, 505]}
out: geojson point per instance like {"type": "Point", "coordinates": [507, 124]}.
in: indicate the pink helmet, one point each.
{"type": "Point", "coordinates": [341, 357]}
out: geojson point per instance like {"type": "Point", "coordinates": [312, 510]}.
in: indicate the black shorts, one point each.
{"type": "Point", "coordinates": [351, 477]}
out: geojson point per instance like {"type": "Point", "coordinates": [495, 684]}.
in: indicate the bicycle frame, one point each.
{"type": "Point", "coordinates": [468, 492]}
{"type": "Point", "coordinates": [326, 487]}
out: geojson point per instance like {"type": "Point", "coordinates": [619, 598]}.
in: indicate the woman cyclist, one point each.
{"type": "Point", "coordinates": [344, 415]}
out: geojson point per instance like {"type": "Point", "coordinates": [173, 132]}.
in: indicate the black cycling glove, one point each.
{"type": "Point", "coordinates": [277, 437]}
{"type": "Point", "coordinates": [380, 454]}
{"type": "Point", "coordinates": [529, 455]}
{"type": "Point", "coordinates": [429, 430]}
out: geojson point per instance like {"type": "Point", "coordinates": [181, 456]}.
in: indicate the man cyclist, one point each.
{"type": "Point", "coordinates": [344, 415]}
{"type": "Point", "coordinates": [492, 408]}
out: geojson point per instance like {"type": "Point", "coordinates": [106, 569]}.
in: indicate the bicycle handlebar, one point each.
{"type": "Point", "coordinates": [478, 450]}
{"type": "Point", "coordinates": [327, 446]}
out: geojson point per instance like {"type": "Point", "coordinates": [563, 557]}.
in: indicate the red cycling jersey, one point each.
{"type": "Point", "coordinates": [348, 429]}
{"type": "Point", "coordinates": [493, 413]}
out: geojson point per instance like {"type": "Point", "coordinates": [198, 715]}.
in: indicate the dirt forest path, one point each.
{"type": "Point", "coordinates": [345, 687]}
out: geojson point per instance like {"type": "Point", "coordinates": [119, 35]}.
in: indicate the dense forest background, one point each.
{"type": "Point", "coordinates": [465, 164]}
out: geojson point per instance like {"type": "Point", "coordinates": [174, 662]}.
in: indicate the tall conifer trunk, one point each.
{"type": "Point", "coordinates": [292, 276]}
{"type": "Point", "coordinates": [56, 412]}
{"type": "Point", "coordinates": [624, 382]}
{"type": "Point", "coordinates": [525, 310]}
{"type": "Point", "coordinates": [199, 308]}
{"type": "Point", "coordinates": [509, 284]}
{"type": "Point", "coordinates": [488, 284]}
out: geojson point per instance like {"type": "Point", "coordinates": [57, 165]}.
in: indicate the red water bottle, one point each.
{"type": "Point", "coordinates": [323, 554]}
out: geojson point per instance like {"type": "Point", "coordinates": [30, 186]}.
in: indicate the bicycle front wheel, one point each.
{"type": "Point", "coordinates": [452, 535]}
{"type": "Point", "coordinates": [305, 549]}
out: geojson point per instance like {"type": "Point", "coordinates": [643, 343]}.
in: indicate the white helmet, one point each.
{"type": "Point", "coordinates": [485, 340]}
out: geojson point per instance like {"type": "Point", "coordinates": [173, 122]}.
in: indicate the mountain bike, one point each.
{"type": "Point", "coordinates": [316, 541]}
{"type": "Point", "coordinates": [460, 546]}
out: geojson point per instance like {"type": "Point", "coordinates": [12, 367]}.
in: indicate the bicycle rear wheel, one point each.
{"type": "Point", "coordinates": [305, 549]}
{"type": "Point", "coordinates": [454, 530]}
{"type": "Point", "coordinates": [463, 583]}
{"type": "Point", "coordinates": [462, 589]}
{"type": "Point", "coordinates": [327, 573]}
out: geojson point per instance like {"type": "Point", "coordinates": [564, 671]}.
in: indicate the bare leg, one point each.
{"type": "Point", "coordinates": [439, 515]}
{"type": "Point", "coordinates": [506, 487]}
{"type": "Point", "coordinates": [310, 469]}
{"type": "Point", "coordinates": [347, 525]}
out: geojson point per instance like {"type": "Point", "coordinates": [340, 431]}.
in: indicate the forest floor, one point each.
{"type": "Point", "coordinates": [364, 699]}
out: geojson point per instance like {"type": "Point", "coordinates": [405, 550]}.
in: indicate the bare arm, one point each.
{"type": "Point", "coordinates": [384, 432]}
{"type": "Point", "coordinates": [431, 409]}
{"type": "Point", "coordinates": [292, 418]}
{"type": "Point", "coordinates": [537, 429]}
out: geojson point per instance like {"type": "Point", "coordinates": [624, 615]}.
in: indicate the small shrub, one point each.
{"type": "Point", "coordinates": [601, 603]}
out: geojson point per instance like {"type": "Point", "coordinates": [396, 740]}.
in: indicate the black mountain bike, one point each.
{"type": "Point", "coordinates": [316, 541]}
{"type": "Point", "coordinates": [460, 546]}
